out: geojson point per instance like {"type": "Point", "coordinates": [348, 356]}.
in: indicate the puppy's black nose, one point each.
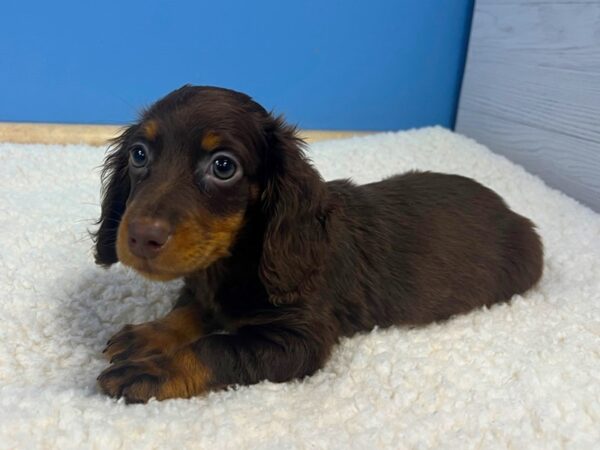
{"type": "Point", "coordinates": [148, 236]}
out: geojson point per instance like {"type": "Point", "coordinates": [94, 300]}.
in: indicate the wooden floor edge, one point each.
{"type": "Point", "coordinates": [50, 133]}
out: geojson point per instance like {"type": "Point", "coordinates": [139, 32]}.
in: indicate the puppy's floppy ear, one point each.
{"type": "Point", "coordinates": [295, 205]}
{"type": "Point", "coordinates": [115, 191]}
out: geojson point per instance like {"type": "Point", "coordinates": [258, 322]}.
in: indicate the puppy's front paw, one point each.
{"type": "Point", "coordinates": [163, 376]}
{"type": "Point", "coordinates": [141, 341]}
{"type": "Point", "coordinates": [137, 381]}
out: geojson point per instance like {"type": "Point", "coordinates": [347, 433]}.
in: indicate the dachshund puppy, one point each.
{"type": "Point", "coordinates": [277, 263]}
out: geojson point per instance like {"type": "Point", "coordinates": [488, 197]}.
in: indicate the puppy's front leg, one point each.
{"type": "Point", "coordinates": [250, 355]}
{"type": "Point", "coordinates": [181, 326]}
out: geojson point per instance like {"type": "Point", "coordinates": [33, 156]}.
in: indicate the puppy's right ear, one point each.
{"type": "Point", "coordinates": [115, 191]}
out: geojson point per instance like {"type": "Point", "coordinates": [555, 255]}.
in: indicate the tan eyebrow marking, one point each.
{"type": "Point", "coordinates": [150, 129]}
{"type": "Point", "coordinates": [210, 141]}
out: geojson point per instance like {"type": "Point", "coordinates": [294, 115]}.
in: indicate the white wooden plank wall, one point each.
{"type": "Point", "coordinates": [531, 89]}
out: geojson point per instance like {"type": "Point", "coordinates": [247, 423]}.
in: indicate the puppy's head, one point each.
{"type": "Point", "coordinates": [178, 185]}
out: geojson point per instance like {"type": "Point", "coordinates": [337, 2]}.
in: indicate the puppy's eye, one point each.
{"type": "Point", "coordinates": [223, 167]}
{"type": "Point", "coordinates": [138, 155]}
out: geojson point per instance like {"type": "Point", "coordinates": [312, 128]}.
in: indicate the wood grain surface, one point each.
{"type": "Point", "coordinates": [531, 89]}
{"type": "Point", "coordinates": [46, 133]}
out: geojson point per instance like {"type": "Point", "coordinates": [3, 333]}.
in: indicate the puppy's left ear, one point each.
{"type": "Point", "coordinates": [295, 203]}
{"type": "Point", "coordinates": [115, 191]}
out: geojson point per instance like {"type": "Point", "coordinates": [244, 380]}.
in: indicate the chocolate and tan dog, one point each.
{"type": "Point", "coordinates": [277, 263]}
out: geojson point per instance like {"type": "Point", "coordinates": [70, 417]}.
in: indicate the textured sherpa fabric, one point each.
{"type": "Point", "coordinates": [522, 375]}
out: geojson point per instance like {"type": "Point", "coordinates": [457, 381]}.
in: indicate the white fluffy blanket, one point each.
{"type": "Point", "coordinates": [520, 375]}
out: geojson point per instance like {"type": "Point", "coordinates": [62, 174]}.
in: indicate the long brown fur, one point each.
{"type": "Point", "coordinates": [278, 264]}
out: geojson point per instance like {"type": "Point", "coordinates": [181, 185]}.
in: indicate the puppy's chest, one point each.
{"type": "Point", "coordinates": [236, 302]}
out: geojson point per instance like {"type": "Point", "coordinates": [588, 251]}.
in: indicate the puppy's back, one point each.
{"type": "Point", "coordinates": [452, 245]}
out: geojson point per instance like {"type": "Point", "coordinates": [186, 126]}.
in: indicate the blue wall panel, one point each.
{"type": "Point", "coordinates": [325, 64]}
